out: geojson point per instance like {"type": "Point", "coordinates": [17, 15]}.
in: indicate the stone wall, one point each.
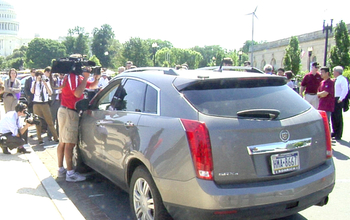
{"type": "Point", "coordinates": [273, 52]}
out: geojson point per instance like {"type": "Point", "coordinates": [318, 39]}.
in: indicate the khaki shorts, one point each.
{"type": "Point", "coordinates": [68, 121]}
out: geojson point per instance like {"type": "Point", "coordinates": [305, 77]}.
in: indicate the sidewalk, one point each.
{"type": "Point", "coordinates": [28, 190]}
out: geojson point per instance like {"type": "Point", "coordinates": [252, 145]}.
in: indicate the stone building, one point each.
{"type": "Point", "coordinates": [9, 28]}
{"type": "Point", "coordinates": [312, 47]}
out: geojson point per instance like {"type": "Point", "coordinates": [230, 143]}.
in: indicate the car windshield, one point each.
{"type": "Point", "coordinates": [227, 97]}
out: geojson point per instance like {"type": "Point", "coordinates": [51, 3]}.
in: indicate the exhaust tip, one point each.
{"type": "Point", "coordinates": [323, 202]}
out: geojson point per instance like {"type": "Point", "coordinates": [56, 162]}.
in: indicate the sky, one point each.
{"type": "Point", "coordinates": [184, 23]}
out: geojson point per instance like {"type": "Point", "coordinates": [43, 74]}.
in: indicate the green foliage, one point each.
{"type": "Point", "coordinates": [101, 42]}
{"type": "Point", "coordinates": [292, 57]}
{"type": "Point", "coordinates": [212, 55]}
{"type": "Point", "coordinates": [247, 45]}
{"type": "Point", "coordinates": [340, 52]}
{"type": "Point", "coordinates": [346, 73]}
{"type": "Point", "coordinates": [41, 52]}
{"type": "Point", "coordinates": [172, 57]}
{"type": "Point", "coordinates": [137, 51]}
{"type": "Point", "coordinates": [77, 41]}
{"type": "Point", "coordinates": [96, 60]}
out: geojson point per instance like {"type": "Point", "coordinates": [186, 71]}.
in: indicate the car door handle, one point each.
{"type": "Point", "coordinates": [129, 124]}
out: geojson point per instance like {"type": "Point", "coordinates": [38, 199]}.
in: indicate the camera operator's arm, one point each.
{"type": "Point", "coordinates": [81, 87]}
{"type": "Point", "coordinates": [95, 82]}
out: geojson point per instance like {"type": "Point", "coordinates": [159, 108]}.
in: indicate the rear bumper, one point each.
{"type": "Point", "coordinates": [271, 211]}
{"type": "Point", "coordinates": [199, 199]}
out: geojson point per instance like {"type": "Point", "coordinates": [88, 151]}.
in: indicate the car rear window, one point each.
{"type": "Point", "coordinates": [226, 97]}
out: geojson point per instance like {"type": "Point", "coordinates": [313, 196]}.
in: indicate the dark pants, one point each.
{"type": "Point", "coordinates": [13, 141]}
{"type": "Point", "coordinates": [337, 119]}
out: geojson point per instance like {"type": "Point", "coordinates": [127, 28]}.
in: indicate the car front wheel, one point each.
{"type": "Point", "coordinates": [145, 200]}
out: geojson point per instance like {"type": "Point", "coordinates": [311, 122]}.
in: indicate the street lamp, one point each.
{"type": "Point", "coordinates": [154, 47]}
{"type": "Point", "coordinates": [240, 57]}
{"type": "Point", "coordinates": [326, 28]}
{"type": "Point", "coordinates": [309, 49]}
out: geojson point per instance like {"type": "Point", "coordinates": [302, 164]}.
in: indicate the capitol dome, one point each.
{"type": "Point", "coordinates": [8, 19]}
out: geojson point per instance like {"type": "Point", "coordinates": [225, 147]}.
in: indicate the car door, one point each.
{"type": "Point", "coordinates": [120, 126]}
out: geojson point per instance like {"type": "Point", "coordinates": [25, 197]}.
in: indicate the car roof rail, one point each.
{"type": "Point", "coordinates": [232, 68]}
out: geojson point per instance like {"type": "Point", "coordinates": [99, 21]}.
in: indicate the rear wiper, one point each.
{"type": "Point", "coordinates": [259, 113]}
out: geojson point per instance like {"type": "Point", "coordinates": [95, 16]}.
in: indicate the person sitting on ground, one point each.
{"type": "Point", "coordinates": [13, 129]}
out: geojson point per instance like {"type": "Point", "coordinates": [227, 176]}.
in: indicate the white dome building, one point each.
{"type": "Point", "coordinates": [9, 28]}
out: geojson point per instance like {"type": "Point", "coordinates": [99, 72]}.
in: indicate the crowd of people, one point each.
{"type": "Point", "coordinates": [52, 97]}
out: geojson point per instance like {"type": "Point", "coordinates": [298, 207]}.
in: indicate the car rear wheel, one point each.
{"type": "Point", "coordinates": [145, 200]}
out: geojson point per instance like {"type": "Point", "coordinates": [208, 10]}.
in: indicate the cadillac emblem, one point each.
{"type": "Point", "coordinates": [284, 135]}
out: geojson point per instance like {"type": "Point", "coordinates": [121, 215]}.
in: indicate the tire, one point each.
{"type": "Point", "coordinates": [145, 200]}
{"type": "Point", "coordinates": [77, 160]}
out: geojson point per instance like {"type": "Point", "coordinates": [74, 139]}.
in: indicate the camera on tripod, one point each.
{"type": "Point", "coordinates": [75, 64]}
{"type": "Point", "coordinates": [35, 120]}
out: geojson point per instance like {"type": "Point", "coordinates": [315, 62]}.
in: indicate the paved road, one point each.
{"type": "Point", "coordinates": [98, 198]}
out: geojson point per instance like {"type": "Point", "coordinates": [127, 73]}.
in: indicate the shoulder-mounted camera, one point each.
{"type": "Point", "coordinates": [75, 64]}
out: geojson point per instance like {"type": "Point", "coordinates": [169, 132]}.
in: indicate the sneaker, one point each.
{"type": "Point", "coordinates": [62, 173]}
{"type": "Point", "coordinates": [75, 177]}
{"type": "Point", "coordinates": [41, 142]}
{"type": "Point", "coordinates": [22, 150]}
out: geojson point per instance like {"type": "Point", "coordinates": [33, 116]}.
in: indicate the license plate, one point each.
{"type": "Point", "coordinates": [281, 163]}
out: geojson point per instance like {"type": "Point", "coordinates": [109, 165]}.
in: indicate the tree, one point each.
{"type": "Point", "coordinates": [171, 57]}
{"type": "Point", "coordinates": [340, 52]}
{"type": "Point", "coordinates": [101, 42]}
{"type": "Point", "coordinates": [41, 52]}
{"type": "Point", "coordinates": [77, 41]}
{"type": "Point", "coordinates": [212, 55]}
{"type": "Point", "coordinates": [247, 44]}
{"type": "Point", "coordinates": [137, 51]}
{"type": "Point", "coordinates": [292, 57]}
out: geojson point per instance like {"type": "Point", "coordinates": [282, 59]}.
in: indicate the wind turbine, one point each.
{"type": "Point", "coordinates": [253, 15]}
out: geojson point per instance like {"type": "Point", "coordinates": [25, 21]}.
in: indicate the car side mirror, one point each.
{"type": "Point", "coordinates": [82, 105]}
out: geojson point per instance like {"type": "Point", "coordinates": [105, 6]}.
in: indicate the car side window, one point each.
{"type": "Point", "coordinates": [131, 96]}
{"type": "Point", "coordinates": [107, 98]}
{"type": "Point", "coordinates": [151, 100]}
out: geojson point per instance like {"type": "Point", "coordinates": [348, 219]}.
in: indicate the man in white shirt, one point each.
{"type": "Point", "coordinates": [12, 128]}
{"type": "Point", "coordinates": [103, 82]}
{"type": "Point", "coordinates": [341, 88]}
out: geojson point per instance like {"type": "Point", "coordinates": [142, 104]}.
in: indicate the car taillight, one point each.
{"type": "Point", "coordinates": [199, 142]}
{"type": "Point", "coordinates": [327, 133]}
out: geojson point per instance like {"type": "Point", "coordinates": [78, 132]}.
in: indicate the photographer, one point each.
{"type": "Point", "coordinates": [42, 90]}
{"type": "Point", "coordinates": [68, 119]}
{"type": "Point", "coordinates": [13, 129]}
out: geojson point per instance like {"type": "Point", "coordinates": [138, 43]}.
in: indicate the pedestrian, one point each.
{"type": "Point", "coordinates": [13, 129]}
{"type": "Point", "coordinates": [12, 91]}
{"type": "Point", "coordinates": [68, 118]}
{"type": "Point", "coordinates": [28, 94]}
{"type": "Point", "coordinates": [326, 93]}
{"type": "Point", "coordinates": [341, 89]}
{"type": "Point", "coordinates": [268, 69]}
{"type": "Point", "coordinates": [289, 75]}
{"type": "Point", "coordinates": [281, 72]}
{"type": "Point", "coordinates": [41, 89]}
{"type": "Point", "coordinates": [227, 61]}
{"type": "Point", "coordinates": [103, 82]}
{"type": "Point", "coordinates": [56, 100]}
{"type": "Point", "coordinates": [310, 84]}
{"type": "Point", "coordinates": [121, 69]}
{"type": "Point", "coordinates": [247, 64]}
{"type": "Point", "coordinates": [128, 65]}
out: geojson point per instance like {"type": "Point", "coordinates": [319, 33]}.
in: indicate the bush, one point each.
{"type": "Point", "coordinates": [346, 73]}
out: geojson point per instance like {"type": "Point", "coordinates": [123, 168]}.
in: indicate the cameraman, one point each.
{"type": "Point", "coordinates": [42, 90]}
{"type": "Point", "coordinates": [12, 128]}
{"type": "Point", "coordinates": [68, 119]}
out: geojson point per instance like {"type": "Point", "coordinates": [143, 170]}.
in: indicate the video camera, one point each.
{"type": "Point", "coordinates": [34, 121]}
{"type": "Point", "coordinates": [75, 64]}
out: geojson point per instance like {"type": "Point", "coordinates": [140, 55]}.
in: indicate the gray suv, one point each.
{"type": "Point", "coordinates": [200, 144]}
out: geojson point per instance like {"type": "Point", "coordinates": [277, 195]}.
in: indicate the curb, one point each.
{"type": "Point", "coordinates": [63, 204]}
